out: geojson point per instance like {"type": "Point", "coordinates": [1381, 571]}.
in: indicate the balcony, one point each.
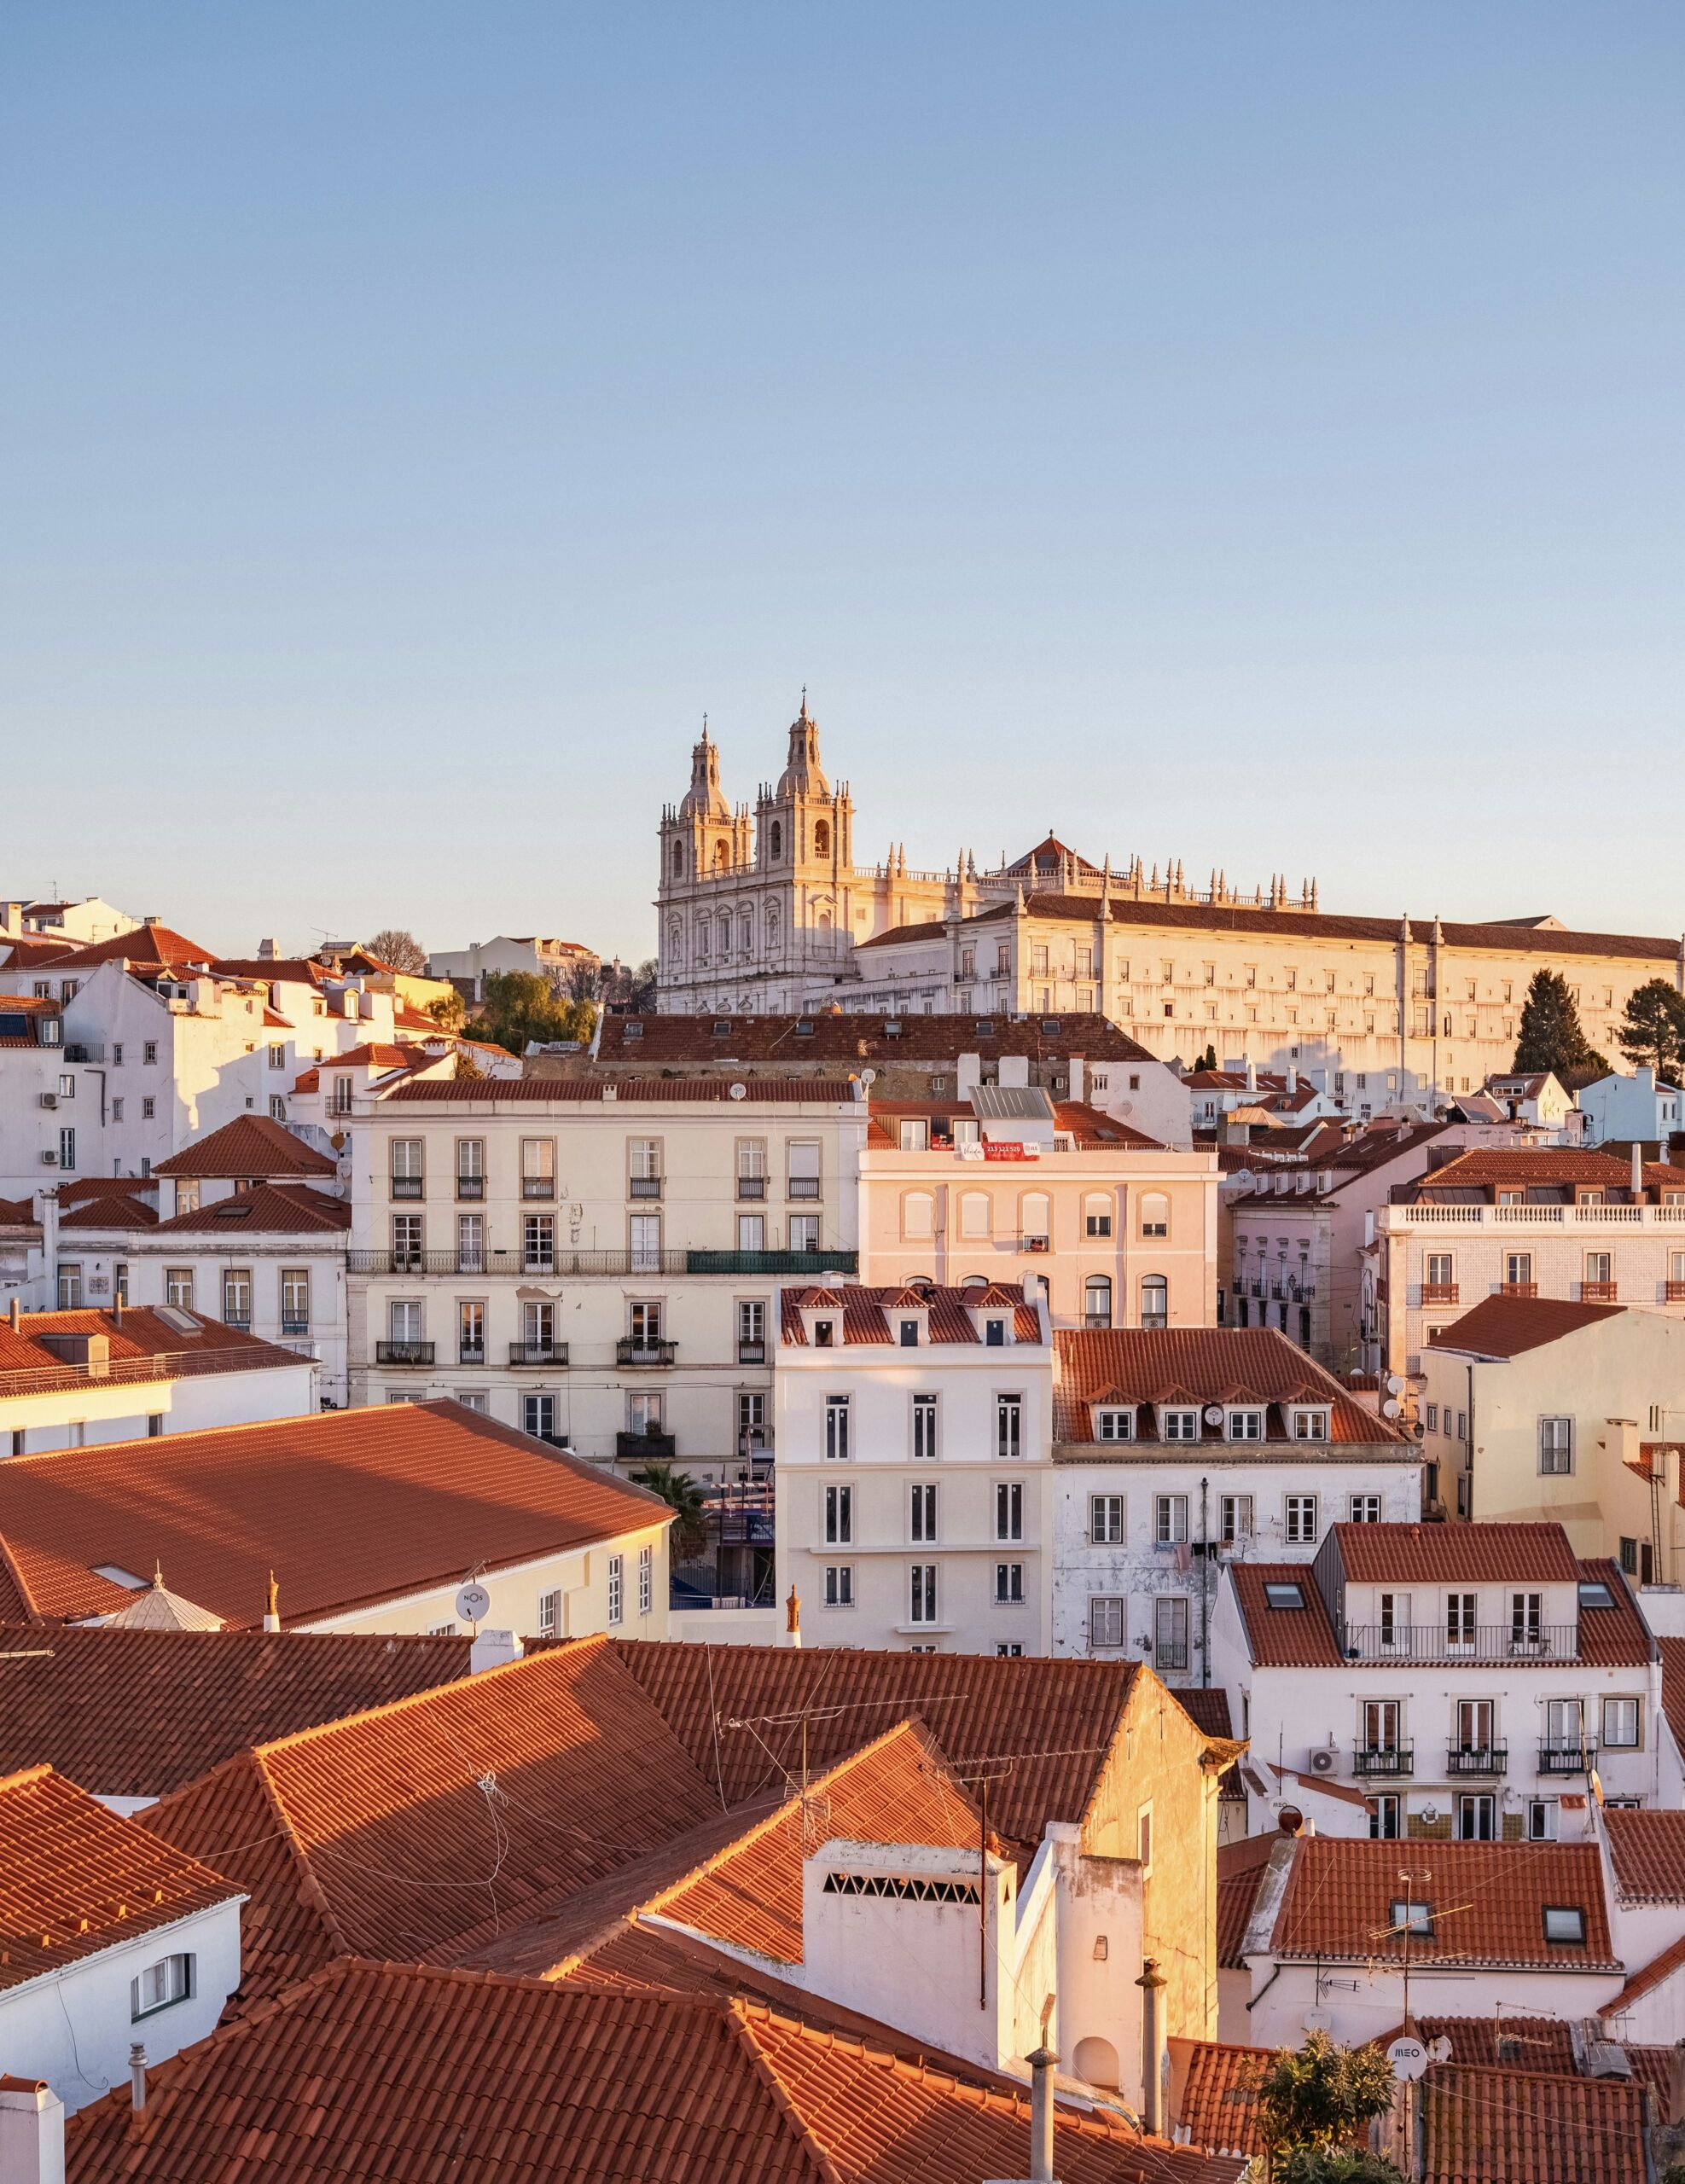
{"type": "Point", "coordinates": [409, 1187]}
{"type": "Point", "coordinates": [537, 1185]}
{"type": "Point", "coordinates": [1598, 1293]}
{"type": "Point", "coordinates": [470, 1186]}
{"type": "Point", "coordinates": [802, 1187]}
{"type": "Point", "coordinates": [635, 1350]}
{"type": "Point", "coordinates": [471, 1353]}
{"type": "Point", "coordinates": [1389, 1760]}
{"type": "Point", "coordinates": [1432, 1642]}
{"type": "Point", "coordinates": [644, 1187]}
{"type": "Point", "coordinates": [404, 1353]}
{"type": "Point", "coordinates": [1439, 1292]}
{"type": "Point", "coordinates": [770, 1263]}
{"type": "Point", "coordinates": [751, 1353]}
{"type": "Point", "coordinates": [538, 1353]}
{"type": "Point", "coordinates": [1517, 1289]}
{"type": "Point", "coordinates": [295, 1326]}
{"type": "Point", "coordinates": [1674, 1292]}
{"type": "Point", "coordinates": [645, 1448]}
{"type": "Point", "coordinates": [1477, 1759]}
{"type": "Point", "coordinates": [1567, 1755]}
{"type": "Point", "coordinates": [563, 1263]}
{"type": "Point", "coordinates": [752, 1187]}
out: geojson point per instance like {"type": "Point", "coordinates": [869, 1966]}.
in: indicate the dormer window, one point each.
{"type": "Point", "coordinates": [984, 1027]}
{"type": "Point", "coordinates": [824, 1334]}
{"type": "Point", "coordinates": [1179, 1425]}
{"type": "Point", "coordinates": [632, 1029]}
{"type": "Point", "coordinates": [804, 1027]}
{"type": "Point", "coordinates": [721, 1027]}
{"type": "Point", "coordinates": [1114, 1423]}
{"type": "Point", "coordinates": [1245, 1425]}
{"type": "Point", "coordinates": [1564, 1922]}
{"type": "Point", "coordinates": [1594, 1594]}
{"type": "Point", "coordinates": [1310, 1426]}
{"type": "Point", "coordinates": [993, 1334]}
{"type": "Point", "coordinates": [909, 1334]}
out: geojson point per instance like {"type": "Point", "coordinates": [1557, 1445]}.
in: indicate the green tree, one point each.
{"type": "Point", "coordinates": [1347, 2165]}
{"type": "Point", "coordinates": [519, 1006]}
{"type": "Point", "coordinates": [1551, 1037]}
{"type": "Point", "coordinates": [1652, 1033]}
{"type": "Point", "coordinates": [449, 1012]}
{"type": "Point", "coordinates": [684, 1497]}
{"type": "Point", "coordinates": [1318, 2100]}
{"type": "Point", "coordinates": [1208, 1059]}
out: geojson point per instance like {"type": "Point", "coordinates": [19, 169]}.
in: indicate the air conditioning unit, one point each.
{"type": "Point", "coordinates": [1321, 1763]}
{"type": "Point", "coordinates": [49, 1159]}
{"type": "Point", "coordinates": [49, 1099]}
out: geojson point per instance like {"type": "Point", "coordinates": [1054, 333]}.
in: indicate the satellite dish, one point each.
{"type": "Point", "coordinates": [473, 1603]}
{"type": "Point", "coordinates": [869, 1077]}
{"type": "Point", "coordinates": [1213, 1414]}
{"type": "Point", "coordinates": [739, 1092]}
{"type": "Point", "coordinates": [1394, 1386]}
{"type": "Point", "coordinates": [1409, 2058]}
{"type": "Point", "coordinates": [1391, 1408]}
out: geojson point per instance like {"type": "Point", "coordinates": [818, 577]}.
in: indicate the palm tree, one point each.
{"type": "Point", "coordinates": [684, 1497]}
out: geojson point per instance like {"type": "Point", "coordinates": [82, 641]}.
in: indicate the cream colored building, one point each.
{"type": "Point", "coordinates": [595, 1264]}
{"type": "Point", "coordinates": [1008, 1185]}
{"type": "Point", "coordinates": [1574, 1412]}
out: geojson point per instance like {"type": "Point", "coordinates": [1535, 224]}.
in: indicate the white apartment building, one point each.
{"type": "Point", "coordinates": [915, 1491]}
{"type": "Point", "coordinates": [1551, 1223]}
{"type": "Point", "coordinates": [1179, 1451]}
{"type": "Point", "coordinates": [72, 923]}
{"type": "Point", "coordinates": [596, 1263]}
{"type": "Point", "coordinates": [1475, 1681]}
{"type": "Point", "coordinates": [74, 1378]}
{"type": "Point", "coordinates": [1007, 1183]}
{"type": "Point", "coordinates": [1628, 1110]}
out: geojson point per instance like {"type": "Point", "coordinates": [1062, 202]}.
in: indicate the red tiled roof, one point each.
{"type": "Point", "coordinates": [1648, 1977]}
{"type": "Point", "coordinates": [250, 1146]}
{"type": "Point", "coordinates": [146, 1347]}
{"type": "Point", "coordinates": [267, 1209]}
{"type": "Point", "coordinates": [18, 1213]}
{"type": "Point", "coordinates": [153, 945]}
{"type": "Point", "coordinates": [937, 1040]}
{"type": "Point", "coordinates": [111, 1210]}
{"type": "Point", "coordinates": [1151, 1366]}
{"type": "Point", "coordinates": [1217, 2105]}
{"type": "Point", "coordinates": [138, 1713]}
{"type": "Point", "coordinates": [1339, 1898]}
{"type": "Point", "coordinates": [1094, 1131]}
{"type": "Point", "coordinates": [1284, 1637]}
{"type": "Point", "coordinates": [1489, 2127]}
{"type": "Point", "coordinates": [76, 1878]}
{"type": "Point", "coordinates": [1450, 1554]}
{"type": "Point", "coordinates": [1483, 1170]}
{"type": "Point", "coordinates": [382, 2069]}
{"type": "Point", "coordinates": [645, 1091]}
{"type": "Point", "coordinates": [1647, 1851]}
{"type": "Point", "coordinates": [1208, 1708]}
{"type": "Point", "coordinates": [1673, 1652]}
{"type": "Point", "coordinates": [347, 1507]}
{"type": "Point", "coordinates": [1617, 1637]}
{"type": "Point", "coordinates": [1240, 1873]}
{"type": "Point", "coordinates": [295, 970]}
{"type": "Point", "coordinates": [865, 1311]}
{"type": "Point", "coordinates": [1505, 1327]}
{"type": "Point", "coordinates": [1508, 2039]}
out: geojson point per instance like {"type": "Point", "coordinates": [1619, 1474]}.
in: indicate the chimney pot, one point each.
{"type": "Point", "coordinates": [1041, 2062]}
{"type": "Point", "coordinates": [137, 2077]}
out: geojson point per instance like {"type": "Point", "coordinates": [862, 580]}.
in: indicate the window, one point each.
{"type": "Point", "coordinates": [178, 1287]}
{"type": "Point", "coordinates": [922, 1590]}
{"type": "Point", "coordinates": [470, 1167]}
{"type": "Point", "coordinates": [470, 1333]}
{"type": "Point", "coordinates": [1180, 1424]}
{"type": "Point", "coordinates": [1300, 1511]}
{"type": "Point", "coordinates": [1106, 1519]}
{"type": "Point", "coordinates": [407, 1180]}
{"type": "Point", "coordinates": [1010, 1649]}
{"type": "Point", "coordinates": [1564, 1922]}
{"type": "Point", "coordinates": [1009, 1510]}
{"type": "Point", "coordinates": [646, 1412]}
{"type": "Point", "coordinates": [1155, 1214]}
{"type": "Point", "coordinates": [1245, 1425]}
{"type": "Point", "coordinates": [1382, 1721]}
{"type": "Point", "coordinates": [824, 1334]}
{"type": "Point", "coordinates": [169, 1980]}
{"type": "Point", "coordinates": [1364, 1509]}
{"type": "Point", "coordinates": [839, 1584]}
{"type": "Point", "coordinates": [751, 1330]}
{"type": "Point", "coordinates": [150, 1052]}
{"type": "Point", "coordinates": [1517, 1268]}
{"type": "Point", "coordinates": [908, 1334]}
{"type": "Point", "coordinates": [1155, 1298]}
{"type": "Point", "coordinates": [237, 1297]}
{"type": "Point", "coordinates": [1096, 1215]}
{"type": "Point", "coordinates": [537, 1167]}
{"type": "Point", "coordinates": [1170, 1633]}
{"type": "Point", "coordinates": [1114, 1423]}
{"type": "Point", "coordinates": [1234, 1517]}
{"type": "Point", "coordinates": [1526, 1617]}
{"type": "Point", "coordinates": [803, 1231]}
{"type": "Point", "coordinates": [1097, 1301]}
{"type": "Point", "coordinates": [915, 1133]}
{"type": "Point", "coordinates": [836, 1429]}
{"type": "Point", "coordinates": [538, 1240]}
{"type": "Point", "coordinates": [752, 1167]}
{"type": "Point", "coordinates": [1431, 1420]}
{"type": "Point", "coordinates": [470, 1243]}
{"type": "Point", "coordinates": [1477, 1817]}
{"type": "Point", "coordinates": [1009, 1584]}
{"type": "Point", "coordinates": [1556, 1445]}
{"type": "Point", "coordinates": [148, 1113]}
{"type": "Point", "coordinates": [918, 1215]}
{"type": "Point", "coordinates": [974, 1213]}
{"type": "Point", "coordinates": [1310, 1426]}
{"type": "Point", "coordinates": [646, 1580]}
{"type": "Point", "coordinates": [66, 1088]}
{"type": "Point", "coordinates": [1542, 1814]}
{"type": "Point", "coordinates": [538, 1417]}
{"type": "Point", "coordinates": [67, 1149]}
{"type": "Point", "coordinates": [1035, 1219]}
{"type": "Point", "coordinates": [616, 1588]}
{"type": "Point", "coordinates": [1593, 1594]}
{"type": "Point", "coordinates": [1008, 1428]}
{"type": "Point", "coordinates": [1459, 1618]}
{"type": "Point", "coordinates": [921, 1513]}
{"type": "Point", "coordinates": [295, 1300]}
{"type": "Point", "coordinates": [1395, 1620]}
{"type": "Point", "coordinates": [751, 1233]}
{"type": "Point", "coordinates": [804, 1167]}
{"type": "Point", "coordinates": [549, 1615]}
{"type": "Point", "coordinates": [644, 1235]}
{"type": "Point", "coordinates": [69, 1287]}
{"type": "Point", "coordinates": [1169, 1519]}
{"type": "Point", "coordinates": [643, 1167]}
{"type": "Point", "coordinates": [117, 1111]}
{"type": "Point", "coordinates": [406, 1243]}
{"type": "Point", "coordinates": [1620, 1724]}
{"type": "Point", "coordinates": [924, 1428]}
{"type": "Point", "coordinates": [994, 1331]}
{"type": "Point", "coordinates": [1106, 1622]}
{"type": "Point", "coordinates": [1386, 1817]}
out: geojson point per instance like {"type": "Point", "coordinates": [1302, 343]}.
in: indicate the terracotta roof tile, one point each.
{"type": "Point", "coordinates": [139, 1713]}
{"type": "Point", "coordinates": [1646, 1851]}
{"type": "Point", "coordinates": [1616, 1637]}
{"type": "Point", "coordinates": [1489, 2127]}
{"type": "Point", "coordinates": [646, 1091]}
{"type": "Point", "coordinates": [1673, 1652]}
{"type": "Point", "coordinates": [267, 1209]}
{"type": "Point", "coordinates": [1340, 1893]}
{"type": "Point", "coordinates": [346, 1507]}
{"type": "Point", "coordinates": [936, 1039]}
{"type": "Point", "coordinates": [1660, 1968]}
{"type": "Point", "coordinates": [1450, 1554]}
{"type": "Point", "coordinates": [1151, 1366]}
{"type": "Point", "coordinates": [76, 1878]}
{"type": "Point", "coordinates": [154, 945]}
{"type": "Point", "coordinates": [1240, 1873]}
{"type": "Point", "coordinates": [111, 1210]}
{"type": "Point", "coordinates": [865, 1311]}
{"type": "Point", "coordinates": [250, 1146]}
{"type": "Point", "coordinates": [1284, 1637]}
{"type": "Point", "coordinates": [147, 1346]}
{"type": "Point", "coordinates": [1505, 1327]}
{"type": "Point", "coordinates": [1217, 2108]}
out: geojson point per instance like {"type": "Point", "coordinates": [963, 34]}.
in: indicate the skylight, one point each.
{"type": "Point", "coordinates": [1564, 1922]}
{"type": "Point", "coordinates": [115, 1574]}
{"type": "Point", "coordinates": [1284, 1596]}
{"type": "Point", "coordinates": [1595, 1593]}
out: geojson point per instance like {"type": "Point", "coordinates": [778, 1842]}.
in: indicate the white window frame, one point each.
{"type": "Point", "coordinates": [1108, 1519]}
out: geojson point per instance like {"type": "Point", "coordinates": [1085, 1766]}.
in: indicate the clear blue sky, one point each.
{"type": "Point", "coordinates": [1250, 434]}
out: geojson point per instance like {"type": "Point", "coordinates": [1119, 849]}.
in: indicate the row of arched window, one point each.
{"type": "Point", "coordinates": [1153, 1296]}
{"type": "Point", "coordinates": [719, 859]}
{"type": "Point", "coordinates": [974, 1215]}
{"type": "Point", "coordinates": [712, 935]}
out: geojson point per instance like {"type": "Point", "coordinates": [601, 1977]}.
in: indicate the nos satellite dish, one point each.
{"type": "Point", "coordinates": [869, 1077]}
{"type": "Point", "coordinates": [474, 1604]}
{"type": "Point", "coordinates": [1391, 1408]}
{"type": "Point", "coordinates": [740, 1091]}
{"type": "Point", "coordinates": [1395, 1386]}
{"type": "Point", "coordinates": [1213, 1414]}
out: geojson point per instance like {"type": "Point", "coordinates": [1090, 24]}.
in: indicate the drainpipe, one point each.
{"type": "Point", "coordinates": [1041, 2061]}
{"type": "Point", "coordinates": [1204, 1585]}
{"type": "Point", "coordinates": [1151, 1983]}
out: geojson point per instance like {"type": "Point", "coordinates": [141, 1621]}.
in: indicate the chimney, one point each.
{"type": "Point", "coordinates": [137, 2077]}
{"type": "Point", "coordinates": [1042, 2061]}
{"type": "Point", "coordinates": [31, 2132]}
{"type": "Point", "coordinates": [272, 1606]}
{"type": "Point", "coordinates": [266, 951]}
{"type": "Point", "coordinates": [792, 1618]}
{"type": "Point", "coordinates": [1637, 1172]}
{"type": "Point", "coordinates": [493, 1649]}
{"type": "Point", "coordinates": [1079, 1077]}
{"type": "Point", "coordinates": [15, 1314]}
{"type": "Point", "coordinates": [1154, 2048]}
{"type": "Point", "coordinates": [1292, 1080]}
{"type": "Point", "coordinates": [117, 1310]}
